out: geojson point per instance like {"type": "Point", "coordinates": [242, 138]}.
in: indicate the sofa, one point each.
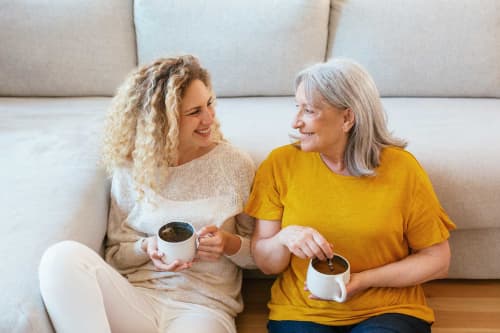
{"type": "Point", "coordinates": [435, 62]}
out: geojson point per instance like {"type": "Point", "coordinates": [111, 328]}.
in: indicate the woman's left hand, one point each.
{"type": "Point", "coordinates": [212, 243]}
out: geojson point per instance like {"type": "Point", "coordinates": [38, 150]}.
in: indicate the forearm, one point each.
{"type": "Point", "coordinates": [417, 268]}
{"type": "Point", "coordinates": [126, 255]}
{"type": "Point", "coordinates": [270, 256]}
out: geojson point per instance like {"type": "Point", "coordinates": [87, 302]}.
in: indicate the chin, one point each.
{"type": "Point", "coordinates": [307, 147]}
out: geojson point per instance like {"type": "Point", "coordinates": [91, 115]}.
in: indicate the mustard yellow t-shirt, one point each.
{"type": "Point", "coordinates": [372, 221]}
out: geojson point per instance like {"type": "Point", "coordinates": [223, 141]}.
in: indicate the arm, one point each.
{"type": "Point", "coordinates": [232, 240]}
{"type": "Point", "coordinates": [215, 242]}
{"type": "Point", "coordinates": [424, 265]}
{"type": "Point", "coordinates": [272, 247]}
{"type": "Point", "coordinates": [124, 245]}
{"type": "Point", "coordinates": [127, 249]}
{"type": "Point", "coordinates": [241, 253]}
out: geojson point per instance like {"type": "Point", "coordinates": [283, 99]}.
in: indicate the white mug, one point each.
{"type": "Point", "coordinates": [329, 285]}
{"type": "Point", "coordinates": [183, 248]}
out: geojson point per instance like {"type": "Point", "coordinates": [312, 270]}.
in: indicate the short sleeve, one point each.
{"type": "Point", "coordinates": [264, 201]}
{"type": "Point", "coordinates": [427, 223]}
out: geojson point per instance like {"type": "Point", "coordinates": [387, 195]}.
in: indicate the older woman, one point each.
{"type": "Point", "coordinates": [168, 161]}
{"type": "Point", "coordinates": [347, 186]}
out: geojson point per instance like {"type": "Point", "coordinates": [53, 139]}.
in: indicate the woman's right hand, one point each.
{"type": "Point", "coordinates": [150, 246]}
{"type": "Point", "coordinates": [305, 242]}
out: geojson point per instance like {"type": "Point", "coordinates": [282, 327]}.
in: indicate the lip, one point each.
{"type": "Point", "coordinates": [306, 134]}
{"type": "Point", "coordinates": [204, 132]}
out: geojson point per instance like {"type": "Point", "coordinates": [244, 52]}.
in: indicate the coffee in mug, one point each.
{"type": "Point", "coordinates": [177, 240]}
{"type": "Point", "coordinates": [337, 266]}
{"type": "Point", "coordinates": [326, 282]}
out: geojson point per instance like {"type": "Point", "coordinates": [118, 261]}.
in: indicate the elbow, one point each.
{"type": "Point", "coordinates": [263, 266]}
{"type": "Point", "coordinates": [443, 273]}
{"type": "Point", "coordinates": [445, 265]}
{"type": "Point", "coordinates": [268, 270]}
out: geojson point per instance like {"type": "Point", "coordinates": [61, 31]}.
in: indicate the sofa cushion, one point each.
{"type": "Point", "coordinates": [428, 48]}
{"type": "Point", "coordinates": [65, 48]}
{"type": "Point", "coordinates": [52, 189]}
{"type": "Point", "coordinates": [251, 47]}
{"type": "Point", "coordinates": [456, 140]}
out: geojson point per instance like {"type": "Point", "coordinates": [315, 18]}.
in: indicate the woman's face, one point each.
{"type": "Point", "coordinates": [197, 116]}
{"type": "Point", "coordinates": [322, 127]}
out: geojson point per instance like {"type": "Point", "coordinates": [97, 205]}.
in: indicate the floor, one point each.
{"type": "Point", "coordinates": [461, 306]}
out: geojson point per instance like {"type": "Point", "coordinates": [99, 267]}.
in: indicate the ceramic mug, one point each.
{"type": "Point", "coordinates": [177, 240]}
{"type": "Point", "coordinates": [328, 284]}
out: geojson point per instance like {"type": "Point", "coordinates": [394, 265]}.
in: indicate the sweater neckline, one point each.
{"type": "Point", "coordinates": [199, 159]}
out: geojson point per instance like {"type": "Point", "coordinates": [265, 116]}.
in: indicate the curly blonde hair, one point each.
{"type": "Point", "coordinates": [142, 125]}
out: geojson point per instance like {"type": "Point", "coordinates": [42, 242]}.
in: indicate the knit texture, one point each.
{"type": "Point", "coordinates": [211, 189]}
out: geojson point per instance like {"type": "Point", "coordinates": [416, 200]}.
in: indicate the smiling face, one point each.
{"type": "Point", "coordinates": [197, 115]}
{"type": "Point", "coordinates": [323, 128]}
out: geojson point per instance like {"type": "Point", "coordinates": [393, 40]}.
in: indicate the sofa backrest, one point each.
{"type": "Point", "coordinates": [251, 47]}
{"type": "Point", "coordinates": [436, 48]}
{"type": "Point", "coordinates": [65, 48]}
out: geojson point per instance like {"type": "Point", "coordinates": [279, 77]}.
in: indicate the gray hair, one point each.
{"type": "Point", "coordinates": [345, 84]}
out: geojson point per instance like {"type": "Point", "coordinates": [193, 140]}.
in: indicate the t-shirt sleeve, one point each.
{"type": "Point", "coordinates": [427, 223]}
{"type": "Point", "coordinates": [264, 202]}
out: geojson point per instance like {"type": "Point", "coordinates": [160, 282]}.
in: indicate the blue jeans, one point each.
{"type": "Point", "coordinates": [386, 323]}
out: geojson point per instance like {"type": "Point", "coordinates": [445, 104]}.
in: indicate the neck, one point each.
{"type": "Point", "coordinates": [335, 163]}
{"type": "Point", "coordinates": [188, 154]}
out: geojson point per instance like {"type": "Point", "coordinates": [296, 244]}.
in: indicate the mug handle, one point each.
{"type": "Point", "coordinates": [343, 293]}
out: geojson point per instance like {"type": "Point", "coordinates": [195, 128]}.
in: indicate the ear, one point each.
{"type": "Point", "coordinates": [349, 120]}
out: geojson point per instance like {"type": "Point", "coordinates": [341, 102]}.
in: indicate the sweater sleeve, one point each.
{"type": "Point", "coordinates": [244, 223]}
{"type": "Point", "coordinates": [123, 245]}
{"type": "Point", "coordinates": [244, 229]}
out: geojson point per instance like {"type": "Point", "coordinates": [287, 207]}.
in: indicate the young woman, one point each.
{"type": "Point", "coordinates": [168, 161]}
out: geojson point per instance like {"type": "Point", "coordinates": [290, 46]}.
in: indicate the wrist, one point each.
{"type": "Point", "coordinates": [364, 280]}
{"type": "Point", "coordinates": [232, 244]}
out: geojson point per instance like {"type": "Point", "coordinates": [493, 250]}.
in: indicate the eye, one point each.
{"type": "Point", "coordinates": [193, 112]}
{"type": "Point", "coordinates": [211, 102]}
{"type": "Point", "coordinates": [304, 109]}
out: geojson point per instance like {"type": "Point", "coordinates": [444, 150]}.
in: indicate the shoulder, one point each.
{"type": "Point", "coordinates": [398, 156]}
{"type": "Point", "coordinates": [284, 153]}
{"type": "Point", "coordinates": [123, 188]}
{"type": "Point", "coordinates": [234, 156]}
{"type": "Point", "coordinates": [122, 175]}
{"type": "Point", "coordinates": [398, 161]}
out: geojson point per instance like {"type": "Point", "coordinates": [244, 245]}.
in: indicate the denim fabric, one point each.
{"type": "Point", "coordinates": [386, 323]}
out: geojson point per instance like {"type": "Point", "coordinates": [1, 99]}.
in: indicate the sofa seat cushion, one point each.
{"type": "Point", "coordinates": [52, 189]}
{"type": "Point", "coordinates": [456, 141]}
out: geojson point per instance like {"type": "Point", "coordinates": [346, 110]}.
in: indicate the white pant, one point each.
{"type": "Point", "coordinates": [83, 293]}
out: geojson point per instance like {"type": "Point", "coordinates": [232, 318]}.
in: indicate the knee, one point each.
{"type": "Point", "coordinates": [60, 260]}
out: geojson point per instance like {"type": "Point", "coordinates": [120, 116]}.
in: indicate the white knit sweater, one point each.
{"type": "Point", "coordinates": [211, 189]}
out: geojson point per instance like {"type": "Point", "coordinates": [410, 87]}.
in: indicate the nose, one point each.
{"type": "Point", "coordinates": [207, 116]}
{"type": "Point", "coordinates": [297, 121]}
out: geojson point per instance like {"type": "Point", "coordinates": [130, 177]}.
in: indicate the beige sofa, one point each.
{"type": "Point", "coordinates": [436, 63]}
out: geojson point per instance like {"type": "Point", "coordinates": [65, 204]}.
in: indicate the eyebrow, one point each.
{"type": "Point", "coordinates": [198, 106]}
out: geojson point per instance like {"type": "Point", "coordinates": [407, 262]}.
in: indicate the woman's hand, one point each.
{"type": "Point", "coordinates": [215, 242]}
{"type": "Point", "coordinates": [305, 242]}
{"type": "Point", "coordinates": [150, 246]}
